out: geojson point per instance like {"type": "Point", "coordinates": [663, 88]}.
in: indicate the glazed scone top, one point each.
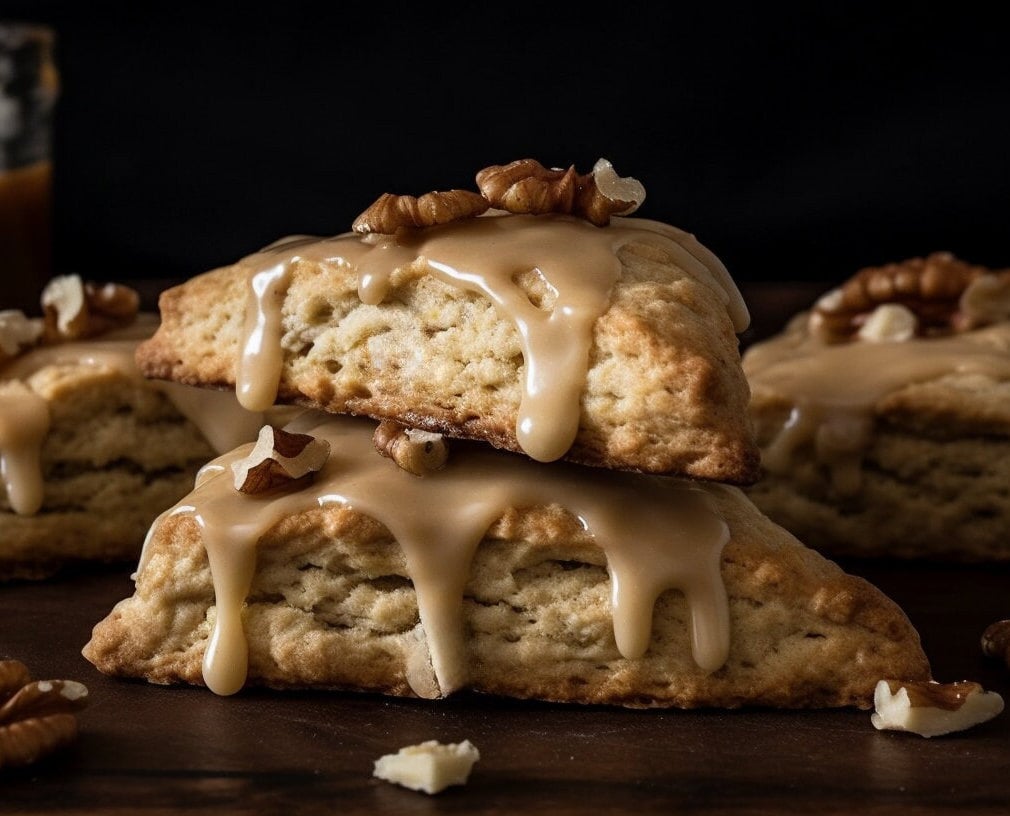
{"type": "Point", "coordinates": [625, 337]}
{"type": "Point", "coordinates": [855, 357]}
{"type": "Point", "coordinates": [578, 262]}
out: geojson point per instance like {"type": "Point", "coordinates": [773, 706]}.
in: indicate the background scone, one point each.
{"type": "Point", "coordinates": [92, 452]}
{"type": "Point", "coordinates": [883, 414]}
{"type": "Point", "coordinates": [611, 344]}
{"type": "Point", "coordinates": [711, 604]}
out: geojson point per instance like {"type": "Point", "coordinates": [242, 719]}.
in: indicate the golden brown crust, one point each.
{"type": "Point", "coordinates": [664, 391]}
{"type": "Point", "coordinates": [536, 612]}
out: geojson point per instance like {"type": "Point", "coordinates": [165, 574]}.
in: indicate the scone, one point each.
{"type": "Point", "coordinates": [497, 574]}
{"type": "Point", "coordinates": [613, 345]}
{"type": "Point", "coordinates": [450, 546]}
{"type": "Point", "coordinates": [90, 451]}
{"type": "Point", "coordinates": [883, 415]}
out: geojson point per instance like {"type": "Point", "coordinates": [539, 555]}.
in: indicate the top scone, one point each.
{"type": "Point", "coordinates": [541, 325]}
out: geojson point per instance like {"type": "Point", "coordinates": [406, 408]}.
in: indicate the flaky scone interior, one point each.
{"type": "Point", "coordinates": [90, 451]}
{"type": "Point", "coordinates": [500, 575]}
{"type": "Point", "coordinates": [612, 346]}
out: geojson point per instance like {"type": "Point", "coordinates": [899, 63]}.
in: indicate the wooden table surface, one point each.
{"type": "Point", "coordinates": [147, 749]}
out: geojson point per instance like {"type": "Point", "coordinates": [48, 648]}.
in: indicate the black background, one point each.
{"type": "Point", "coordinates": [799, 142]}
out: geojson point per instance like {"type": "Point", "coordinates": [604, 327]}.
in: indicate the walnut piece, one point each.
{"type": "Point", "coordinates": [527, 187]}
{"type": "Point", "coordinates": [279, 459]}
{"type": "Point", "coordinates": [36, 718]}
{"type": "Point", "coordinates": [996, 641]}
{"type": "Point", "coordinates": [17, 333]}
{"type": "Point", "coordinates": [930, 288]}
{"type": "Point", "coordinates": [74, 310]}
{"type": "Point", "coordinates": [430, 766]}
{"type": "Point", "coordinates": [932, 709]}
{"type": "Point", "coordinates": [889, 323]}
{"type": "Point", "coordinates": [416, 451]}
{"type": "Point", "coordinates": [607, 194]}
{"type": "Point", "coordinates": [392, 212]}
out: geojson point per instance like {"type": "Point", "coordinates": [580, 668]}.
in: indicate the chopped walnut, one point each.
{"type": "Point", "coordinates": [416, 451]}
{"type": "Point", "coordinates": [888, 323]}
{"type": "Point", "coordinates": [527, 187]}
{"type": "Point", "coordinates": [36, 718]}
{"type": "Point", "coordinates": [430, 766]}
{"type": "Point", "coordinates": [996, 641]}
{"type": "Point", "coordinates": [75, 310]}
{"type": "Point", "coordinates": [391, 212]}
{"type": "Point", "coordinates": [279, 459]}
{"type": "Point", "coordinates": [17, 333]}
{"type": "Point", "coordinates": [608, 194]}
{"type": "Point", "coordinates": [930, 288]}
{"type": "Point", "coordinates": [932, 709]}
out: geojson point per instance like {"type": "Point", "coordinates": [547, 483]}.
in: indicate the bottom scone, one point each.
{"type": "Point", "coordinates": [495, 574]}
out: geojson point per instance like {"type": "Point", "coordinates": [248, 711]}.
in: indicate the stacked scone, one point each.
{"type": "Point", "coordinates": [90, 451]}
{"type": "Point", "coordinates": [883, 413]}
{"type": "Point", "coordinates": [517, 471]}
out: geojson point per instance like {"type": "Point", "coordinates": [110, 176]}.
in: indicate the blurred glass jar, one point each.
{"type": "Point", "coordinates": [29, 86]}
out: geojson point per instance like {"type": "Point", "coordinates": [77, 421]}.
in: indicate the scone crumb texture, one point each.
{"type": "Point", "coordinates": [430, 766]}
{"type": "Point", "coordinates": [932, 709]}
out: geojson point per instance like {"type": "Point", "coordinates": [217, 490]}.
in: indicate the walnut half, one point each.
{"type": "Point", "coordinates": [931, 289]}
{"type": "Point", "coordinates": [527, 187]}
{"type": "Point", "coordinates": [75, 310]}
{"type": "Point", "coordinates": [932, 709]}
{"type": "Point", "coordinates": [36, 718]}
{"type": "Point", "coordinates": [392, 212]}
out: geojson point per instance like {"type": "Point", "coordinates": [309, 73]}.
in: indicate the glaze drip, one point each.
{"type": "Point", "coordinates": [486, 255]}
{"type": "Point", "coordinates": [658, 533]}
{"type": "Point", "coordinates": [24, 414]}
{"type": "Point", "coordinates": [833, 389]}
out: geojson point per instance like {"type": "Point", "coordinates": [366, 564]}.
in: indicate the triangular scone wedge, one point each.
{"type": "Point", "coordinates": [334, 598]}
{"type": "Point", "coordinates": [91, 452]}
{"type": "Point", "coordinates": [632, 330]}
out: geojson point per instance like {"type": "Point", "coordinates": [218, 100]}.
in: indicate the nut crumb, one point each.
{"type": "Point", "coordinates": [18, 333]}
{"type": "Point", "coordinates": [416, 451]}
{"type": "Point", "coordinates": [429, 767]}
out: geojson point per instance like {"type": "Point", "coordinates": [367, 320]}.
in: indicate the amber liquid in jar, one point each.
{"type": "Point", "coordinates": [28, 88]}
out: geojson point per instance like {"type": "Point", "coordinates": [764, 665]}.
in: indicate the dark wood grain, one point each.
{"type": "Point", "coordinates": [157, 750]}
{"type": "Point", "coordinates": [150, 749]}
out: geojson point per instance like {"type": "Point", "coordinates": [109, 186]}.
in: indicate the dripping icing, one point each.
{"type": "Point", "coordinates": [439, 520]}
{"type": "Point", "coordinates": [25, 416]}
{"type": "Point", "coordinates": [484, 255]}
{"type": "Point", "coordinates": [833, 389]}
